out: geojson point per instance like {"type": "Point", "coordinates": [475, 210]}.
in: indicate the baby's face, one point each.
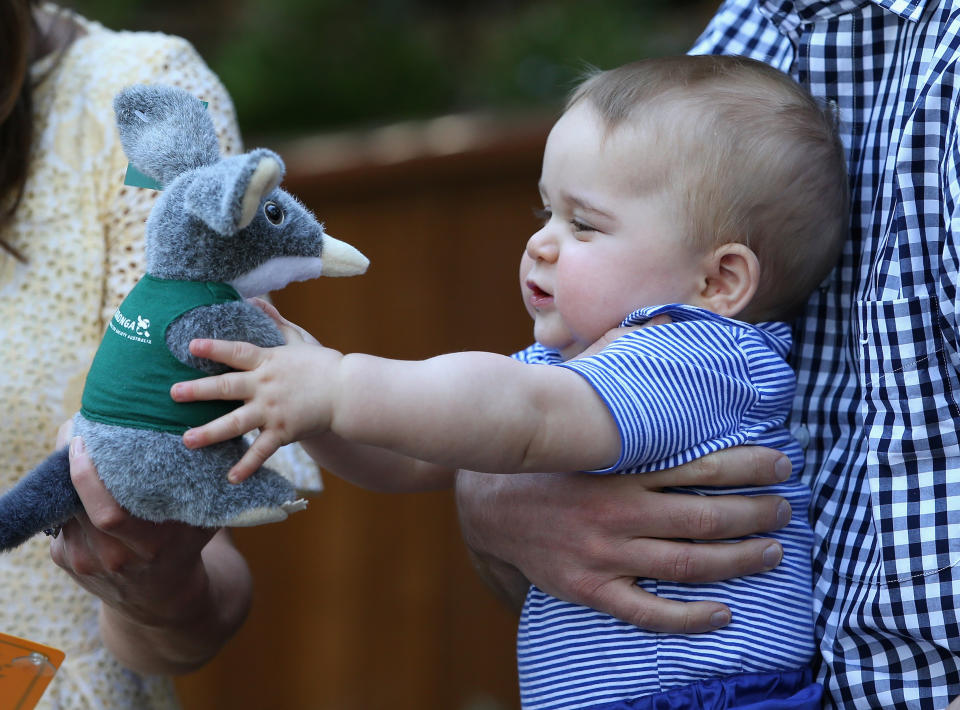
{"type": "Point", "coordinates": [609, 244]}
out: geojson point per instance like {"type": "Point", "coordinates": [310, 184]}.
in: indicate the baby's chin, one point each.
{"type": "Point", "coordinates": [570, 349]}
{"type": "Point", "coordinates": [546, 335]}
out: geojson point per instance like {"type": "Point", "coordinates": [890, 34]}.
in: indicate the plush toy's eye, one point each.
{"type": "Point", "coordinates": [273, 212]}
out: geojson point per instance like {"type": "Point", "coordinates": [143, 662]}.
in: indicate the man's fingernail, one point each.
{"type": "Point", "coordinates": [719, 619]}
{"type": "Point", "coordinates": [784, 513]}
{"type": "Point", "coordinates": [76, 446]}
{"type": "Point", "coordinates": [782, 468]}
{"type": "Point", "coordinates": [771, 556]}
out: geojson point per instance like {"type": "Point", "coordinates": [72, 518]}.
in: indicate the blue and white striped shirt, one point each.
{"type": "Point", "coordinates": [878, 350]}
{"type": "Point", "coordinates": [677, 392]}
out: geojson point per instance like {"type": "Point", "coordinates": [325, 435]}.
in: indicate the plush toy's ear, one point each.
{"type": "Point", "coordinates": [164, 131]}
{"type": "Point", "coordinates": [227, 195]}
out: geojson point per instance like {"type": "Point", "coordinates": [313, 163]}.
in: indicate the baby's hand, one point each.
{"type": "Point", "coordinates": [287, 393]}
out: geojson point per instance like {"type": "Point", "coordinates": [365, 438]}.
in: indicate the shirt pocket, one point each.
{"type": "Point", "coordinates": [910, 418]}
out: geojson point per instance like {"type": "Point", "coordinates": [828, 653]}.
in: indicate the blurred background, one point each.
{"type": "Point", "coordinates": [414, 129]}
{"type": "Point", "coordinates": [309, 65]}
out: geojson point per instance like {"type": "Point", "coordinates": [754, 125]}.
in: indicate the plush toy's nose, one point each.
{"type": "Point", "coordinates": [341, 259]}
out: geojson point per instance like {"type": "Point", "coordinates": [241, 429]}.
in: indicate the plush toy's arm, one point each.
{"type": "Point", "coordinates": [227, 321]}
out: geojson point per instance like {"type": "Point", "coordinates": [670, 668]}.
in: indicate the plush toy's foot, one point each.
{"type": "Point", "coordinates": [266, 514]}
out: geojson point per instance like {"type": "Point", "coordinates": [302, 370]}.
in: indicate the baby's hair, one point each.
{"type": "Point", "coordinates": [748, 156]}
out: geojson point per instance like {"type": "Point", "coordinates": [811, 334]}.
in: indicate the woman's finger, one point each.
{"type": "Point", "coordinates": [100, 532]}
{"type": "Point", "coordinates": [267, 307]}
{"type": "Point", "coordinates": [292, 333]}
{"type": "Point", "coordinates": [64, 433]}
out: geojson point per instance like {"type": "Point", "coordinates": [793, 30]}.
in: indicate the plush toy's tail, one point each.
{"type": "Point", "coordinates": [43, 498]}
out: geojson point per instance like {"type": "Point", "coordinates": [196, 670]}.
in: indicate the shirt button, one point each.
{"type": "Point", "coordinates": [802, 435]}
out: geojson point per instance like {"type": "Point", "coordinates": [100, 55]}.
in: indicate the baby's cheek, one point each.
{"type": "Point", "coordinates": [591, 313]}
{"type": "Point", "coordinates": [526, 263]}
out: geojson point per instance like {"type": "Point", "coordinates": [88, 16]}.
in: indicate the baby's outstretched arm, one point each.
{"type": "Point", "coordinates": [472, 410]}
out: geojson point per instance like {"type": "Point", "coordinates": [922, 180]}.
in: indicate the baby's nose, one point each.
{"type": "Point", "coordinates": [542, 246]}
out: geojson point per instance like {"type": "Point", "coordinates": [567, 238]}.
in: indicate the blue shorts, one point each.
{"type": "Point", "coordinates": [786, 690]}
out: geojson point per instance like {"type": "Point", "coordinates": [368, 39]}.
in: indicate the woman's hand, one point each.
{"type": "Point", "coordinates": [172, 594]}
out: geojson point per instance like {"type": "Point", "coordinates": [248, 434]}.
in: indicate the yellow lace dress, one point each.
{"type": "Point", "coordinates": [81, 232]}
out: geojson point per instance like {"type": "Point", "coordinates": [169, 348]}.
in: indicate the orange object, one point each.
{"type": "Point", "coordinates": [26, 668]}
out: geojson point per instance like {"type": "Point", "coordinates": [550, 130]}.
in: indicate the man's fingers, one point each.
{"type": "Point", "coordinates": [691, 562]}
{"type": "Point", "coordinates": [682, 515]}
{"type": "Point", "coordinates": [234, 353]}
{"type": "Point", "coordinates": [739, 466]}
{"type": "Point", "coordinates": [691, 517]}
{"type": "Point", "coordinates": [626, 601]}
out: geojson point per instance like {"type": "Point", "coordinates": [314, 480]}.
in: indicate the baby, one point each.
{"type": "Point", "coordinates": [695, 203]}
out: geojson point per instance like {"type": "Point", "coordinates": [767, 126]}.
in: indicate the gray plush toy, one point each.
{"type": "Point", "coordinates": [220, 231]}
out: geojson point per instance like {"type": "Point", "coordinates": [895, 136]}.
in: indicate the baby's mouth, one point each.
{"type": "Point", "coordinates": [538, 297]}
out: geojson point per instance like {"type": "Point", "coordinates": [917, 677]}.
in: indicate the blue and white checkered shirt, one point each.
{"type": "Point", "coordinates": [877, 351]}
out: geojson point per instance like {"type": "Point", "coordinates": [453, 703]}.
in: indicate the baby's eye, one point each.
{"type": "Point", "coordinates": [542, 213]}
{"type": "Point", "coordinates": [273, 212]}
{"type": "Point", "coordinates": [579, 226]}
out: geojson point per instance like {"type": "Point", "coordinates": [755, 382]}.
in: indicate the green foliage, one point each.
{"type": "Point", "coordinates": [295, 65]}
{"type": "Point", "coordinates": [334, 65]}
{"type": "Point", "coordinates": [112, 13]}
{"type": "Point", "coordinates": [539, 52]}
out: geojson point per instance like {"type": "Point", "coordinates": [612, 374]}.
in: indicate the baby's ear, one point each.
{"type": "Point", "coordinates": [227, 195]}
{"type": "Point", "coordinates": [732, 278]}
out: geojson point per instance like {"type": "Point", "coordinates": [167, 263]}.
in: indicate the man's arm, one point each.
{"type": "Point", "coordinates": [171, 595]}
{"type": "Point", "coordinates": [585, 539]}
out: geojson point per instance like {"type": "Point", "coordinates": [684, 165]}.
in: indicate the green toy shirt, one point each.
{"type": "Point", "coordinates": [131, 375]}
